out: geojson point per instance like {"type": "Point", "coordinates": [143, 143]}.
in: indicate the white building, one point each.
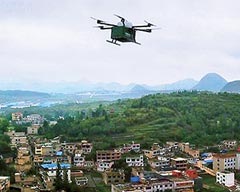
{"type": "Point", "coordinates": [79, 160]}
{"type": "Point", "coordinates": [225, 178]}
{"type": "Point", "coordinates": [104, 165]}
{"type": "Point", "coordinates": [51, 170]}
{"type": "Point", "coordinates": [135, 161]}
{"type": "Point", "coordinates": [159, 162]}
{"type": "Point", "coordinates": [81, 181]}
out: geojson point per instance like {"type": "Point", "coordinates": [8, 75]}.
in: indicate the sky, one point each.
{"type": "Point", "coordinates": [55, 41]}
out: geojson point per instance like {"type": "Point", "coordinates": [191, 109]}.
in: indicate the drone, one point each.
{"type": "Point", "coordinates": [124, 31]}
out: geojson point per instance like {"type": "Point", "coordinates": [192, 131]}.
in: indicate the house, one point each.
{"type": "Point", "coordinates": [17, 116]}
{"type": "Point", "coordinates": [4, 183]}
{"type": "Point", "coordinates": [108, 155]}
{"type": "Point", "coordinates": [159, 162]}
{"type": "Point", "coordinates": [155, 151]}
{"type": "Point", "coordinates": [229, 144]}
{"type": "Point", "coordinates": [34, 119]}
{"type": "Point", "coordinates": [70, 147]}
{"type": "Point", "coordinates": [23, 156]}
{"type": "Point", "coordinates": [135, 161]}
{"type": "Point", "coordinates": [179, 163]}
{"type": "Point", "coordinates": [222, 162]}
{"type": "Point", "coordinates": [86, 147]}
{"type": "Point", "coordinates": [130, 147]}
{"type": "Point", "coordinates": [225, 178]}
{"type": "Point", "coordinates": [104, 165]}
{"type": "Point", "coordinates": [81, 181]}
{"type": "Point", "coordinates": [183, 184]}
{"type": "Point", "coordinates": [17, 138]}
{"type": "Point", "coordinates": [148, 186]}
{"type": "Point", "coordinates": [50, 170]}
{"type": "Point", "coordinates": [78, 160]}
{"type": "Point", "coordinates": [185, 147]}
{"type": "Point", "coordinates": [113, 177]}
{"type": "Point", "coordinates": [33, 130]}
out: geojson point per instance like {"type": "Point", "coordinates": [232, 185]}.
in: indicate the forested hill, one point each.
{"type": "Point", "coordinates": [201, 118]}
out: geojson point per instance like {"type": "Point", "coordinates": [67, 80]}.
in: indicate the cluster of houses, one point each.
{"type": "Point", "coordinates": [34, 119]}
{"type": "Point", "coordinates": [172, 167]}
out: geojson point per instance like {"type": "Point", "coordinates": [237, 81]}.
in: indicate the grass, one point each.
{"type": "Point", "coordinates": [210, 181]}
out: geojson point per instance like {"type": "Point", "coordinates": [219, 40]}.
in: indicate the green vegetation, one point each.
{"type": "Point", "coordinates": [210, 182]}
{"type": "Point", "coordinates": [200, 118]}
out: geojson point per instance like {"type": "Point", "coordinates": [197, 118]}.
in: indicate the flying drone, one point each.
{"type": "Point", "coordinates": [124, 31]}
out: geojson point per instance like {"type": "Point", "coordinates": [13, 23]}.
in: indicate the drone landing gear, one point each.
{"type": "Point", "coordinates": [137, 43]}
{"type": "Point", "coordinates": [113, 42]}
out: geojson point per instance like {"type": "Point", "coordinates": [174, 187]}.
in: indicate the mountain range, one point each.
{"type": "Point", "coordinates": [210, 82]}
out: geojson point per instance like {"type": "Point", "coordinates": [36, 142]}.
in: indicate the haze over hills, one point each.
{"type": "Point", "coordinates": [232, 87]}
{"type": "Point", "coordinates": [79, 92]}
{"type": "Point", "coordinates": [211, 82]}
{"type": "Point", "coordinates": [78, 87]}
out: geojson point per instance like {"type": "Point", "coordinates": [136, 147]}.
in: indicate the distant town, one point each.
{"type": "Point", "coordinates": [43, 164]}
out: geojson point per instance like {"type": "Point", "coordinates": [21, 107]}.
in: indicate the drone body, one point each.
{"type": "Point", "coordinates": [124, 31]}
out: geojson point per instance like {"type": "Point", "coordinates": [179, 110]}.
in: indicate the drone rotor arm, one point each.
{"type": "Point", "coordinates": [144, 30]}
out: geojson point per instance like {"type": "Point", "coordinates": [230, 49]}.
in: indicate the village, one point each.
{"type": "Point", "coordinates": [175, 166]}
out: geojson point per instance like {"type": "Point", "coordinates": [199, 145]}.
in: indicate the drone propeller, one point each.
{"type": "Point", "coordinates": [149, 24]}
{"type": "Point", "coordinates": [120, 17]}
{"type": "Point", "coordinates": [98, 20]}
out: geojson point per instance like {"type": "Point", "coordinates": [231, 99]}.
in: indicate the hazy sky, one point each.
{"type": "Point", "coordinates": [54, 40]}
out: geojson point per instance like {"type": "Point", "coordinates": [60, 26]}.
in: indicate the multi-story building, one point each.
{"type": "Point", "coordinates": [78, 160]}
{"type": "Point", "coordinates": [18, 116]}
{"type": "Point", "coordinates": [86, 147]}
{"type": "Point", "coordinates": [179, 163]}
{"type": "Point", "coordinates": [230, 144]}
{"type": "Point", "coordinates": [38, 149]}
{"type": "Point", "coordinates": [181, 184]}
{"type": "Point", "coordinates": [159, 162]}
{"type": "Point", "coordinates": [222, 162]}
{"type": "Point", "coordinates": [185, 147]}
{"type": "Point", "coordinates": [225, 178]}
{"type": "Point", "coordinates": [130, 147]}
{"type": "Point", "coordinates": [17, 138]}
{"type": "Point", "coordinates": [23, 156]}
{"type": "Point", "coordinates": [50, 170]}
{"type": "Point", "coordinates": [108, 155]}
{"type": "Point", "coordinates": [148, 186]}
{"type": "Point", "coordinates": [113, 177]}
{"type": "Point", "coordinates": [33, 130]}
{"type": "Point", "coordinates": [70, 147]}
{"type": "Point", "coordinates": [104, 165]}
{"type": "Point", "coordinates": [135, 161]}
{"type": "Point", "coordinates": [4, 183]}
{"type": "Point", "coordinates": [81, 181]}
{"type": "Point", "coordinates": [35, 119]}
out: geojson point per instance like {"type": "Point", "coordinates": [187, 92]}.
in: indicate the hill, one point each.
{"type": "Point", "coordinates": [232, 87]}
{"type": "Point", "coordinates": [185, 84]}
{"type": "Point", "coordinates": [196, 117]}
{"type": "Point", "coordinates": [211, 82]}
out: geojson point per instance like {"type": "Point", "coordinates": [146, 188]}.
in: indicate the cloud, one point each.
{"type": "Point", "coordinates": [54, 40]}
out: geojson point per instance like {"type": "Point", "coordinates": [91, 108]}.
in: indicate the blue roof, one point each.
{"type": "Point", "coordinates": [59, 153]}
{"type": "Point", "coordinates": [204, 154]}
{"type": "Point", "coordinates": [54, 166]}
{"type": "Point", "coordinates": [208, 161]}
{"type": "Point", "coordinates": [135, 179]}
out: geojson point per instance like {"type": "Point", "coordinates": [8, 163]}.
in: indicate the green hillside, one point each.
{"type": "Point", "coordinates": [200, 118]}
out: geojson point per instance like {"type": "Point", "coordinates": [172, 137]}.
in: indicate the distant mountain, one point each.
{"type": "Point", "coordinates": [232, 87]}
{"type": "Point", "coordinates": [211, 82]}
{"type": "Point", "coordinates": [139, 89]}
{"type": "Point", "coordinates": [185, 84]}
{"type": "Point", "coordinates": [19, 93]}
